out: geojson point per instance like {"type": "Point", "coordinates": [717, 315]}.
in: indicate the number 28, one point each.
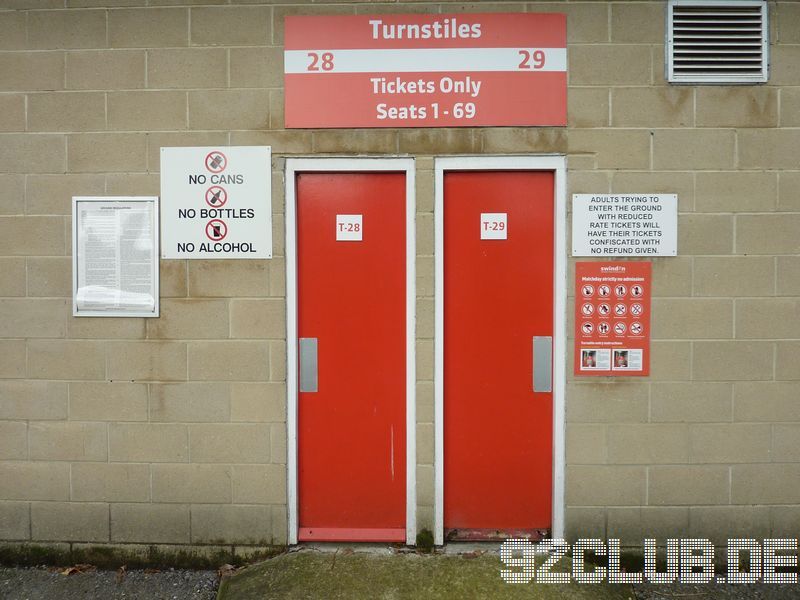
{"type": "Point", "coordinates": [324, 61]}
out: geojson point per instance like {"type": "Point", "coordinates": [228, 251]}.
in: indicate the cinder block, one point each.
{"type": "Point", "coordinates": [66, 111]}
{"type": "Point", "coordinates": [32, 236]}
{"type": "Point", "coordinates": [765, 484]}
{"type": "Point", "coordinates": [106, 328]}
{"type": "Point", "coordinates": [157, 140]}
{"type": "Point", "coordinates": [786, 364]}
{"type": "Point", "coordinates": [787, 275]}
{"type": "Point", "coordinates": [648, 444]}
{"type": "Point", "coordinates": [13, 32]}
{"type": "Point", "coordinates": [104, 152]}
{"type": "Point", "coordinates": [449, 141]}
{"type": "Point", "coordinates": [32, 318]}
{"type": "Point", "coordinates": [586, 444]}
{"type": "Point", "coordinates": [790, 107]}
{"type": "Point", "coordinates": [25, 153]}
{"type": "Point", "coordinates": [424, 235]}
{"type": "Point", "coordinates": [277, 276]}
{"type": "Point", "coordinates": [638, 22]}
{"type": "Point", "coordinates": [425, 276]}
{"type": "Point", "coordinates": [228, 278]}
{"type": "Point", "coordinates": [365, 141]}
{"type": "Point", "coordinates": [230, 26]}
{"type": "Point", "coordinates": [263, 318]}
{"type": "Point", "coordinates": [586, 21]}
{"type": "Point", "coordinates": [228, 361]}
{"type": "Point", "coordinates": [277, 361]}
{"type": "Point", "coordinates": [692, 318]}
{"type": "Point", "coordinates": [767, 318]}
{"type": "Point", "coordinates": [150, 523]}
{"type": "Point", "coordinates": [599, 485]}
{"type": "Point", "coordinates": [425, 443]}
{"type": "Point", "coordinates": [35, 480]}
{"type": "Point", "coordinates": [104, 401]}
{"type": "Point", "coordinates": [12, 357]}
{"type": "Point", "coordinates": [277, 444]}
{"type": "Point", "coordinates": [68, 441]}
{"type": "Point", "coordinates": [229, 109]}
{"type": "Point", "coordinates": [104, 70]}
{"type": "Point", "coordinates": [33, 400]}
{"type": "Point", "coordinates": [734, 276]}
{"type": "Point", "coordinates": [588, 107]}
{"type": "Point", "coordinates": [721, 523]}
{"type": "Point", "coordinates": [192, 483]}
{"type": "Point", "coordinates": [737, 106]}
{"type": "Point", "coordinates": [584, 522]}
{"type": "Point", "coordinates": [425, 406]}
{"type": "Point", "coordinates": [788, 22]}
{"type": "Point", "coordinates": [637, 182]}
{"type": "Point", "coordinates": [425, 485]}
{"type": "Point", "coordinates": [730, 443]}
{"type": "Point", "coordinates": [190, 319]}
{"type": "Point", "coordinates": [229, 443]}
{"type": "Point", "coordinates": [767, 234]}
{"type": "Point", "coordinates": [69, 522]}
{"type": "Point", "coordinates": [14, 278]}
{"type": "Point", "coordinates": [425, 318]}
{"type": "Point", "coordinates": [49, 276]}
{"type": "Point", "coordinates": [691, 149]}
{"type": "Point", "coordinates": [231, 524]}
{"type": "Point", "coordinates": [66, 29]}
{"type": "Point", "coordinates": [505, 139]}
{"type": "Point", "coordinates": [280, 524]}
{"type": "Point", "coordinates": [15, 521]}
{"type": "Point", "coordinates": [147, 110]}
{"type": "Point", "coordinates": [256, 67]}
{"type": "Point", "coordinates": [131, 442]}
{"type": "Point", "coordinates": [600, 402]}
{"type": "Point", "coordinates": [66, 359]}
{"type": "Point", "coordinates": [609, 64]}
{"type": "Point", "coordinates": [784, 442]}
{"type": "Point", "coordinates": [146, 361]}
{"type": "Point", "coordinates": [632, 525]}
{"type": "Point", "coordinates": [694, 238]}
{"type": "Point", "coordinates": [29, 71]}
{"type": "Point", "coordinates": [768, 148]}
{"type": "Point", "coordinates": [424, 357]}
{"type": "Point", "coordinates": [148, 27]}
{"type": "Point", "coordinates": [784, 521]}
{"type": "Point", "coordinates": [259, 484]}
{"type": "Point", "coordinates": [52, 194]}
{"type": "Point", "coordinates": [173, 278]}
{"type": "Point", "coordinates": [135, 184]}
{"type": "Point", "coordinates": [104, 482]}
{"type": "Point", "coordinates": [276, 109]}
{"type": "Point", "coordinates": [670, 361]}
{"type": "Point", "coordinates": [765, 402]}
{"type": "Point", "coordinates": [187, 67]}
{"type": "Point", "coordinates": [283, 142]}
{"type": "Point", "coordinates": [13, 441]}
{"type": "Point", "coordinates": [673, 276]}
{"type": "Point", "coordinates": [683, 402]}
{"type": "Point", "coordinates": [732, 361]}
{"type": "Point", "coordinates": [279, 13]}
{"type": "Point", "coordinates": [614, 148]}
{"type": "Point", "coordinates": [12, 110]}
{"type": "Point", "coordinates": [652, 106]}
{"type": "Point", "coordinates": [190, 402]}
{"type": "Point", "coordinates": [688, 485]}
{"type": "Point", "coordinates": [14, 203]}
{"type": "Point", "coordinates": [258, 402]}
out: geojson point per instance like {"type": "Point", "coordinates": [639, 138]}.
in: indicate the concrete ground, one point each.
{"type": "Point", "coordinates": [354, 574]}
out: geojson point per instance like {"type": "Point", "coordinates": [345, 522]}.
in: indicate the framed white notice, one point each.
{"type": "Point", "coordinates": [115, 256]}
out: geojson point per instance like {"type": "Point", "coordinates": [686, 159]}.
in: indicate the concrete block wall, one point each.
{"type": "Point", "coordinates": [172, 430]}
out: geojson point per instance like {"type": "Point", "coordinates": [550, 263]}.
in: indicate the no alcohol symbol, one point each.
{"type": "Point", "coordinates": [216, 230]}
{"type": "Point", "coordinates": [216, 196]}
{"type": "Point", "coordinates": [216, 161]}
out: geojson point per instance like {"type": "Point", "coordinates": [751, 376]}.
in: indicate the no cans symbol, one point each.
{"type": "Point", "coordinates": [216, 161]}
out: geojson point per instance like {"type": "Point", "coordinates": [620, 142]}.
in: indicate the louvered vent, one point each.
{"type": "Point", "coordinates": [717, 41]}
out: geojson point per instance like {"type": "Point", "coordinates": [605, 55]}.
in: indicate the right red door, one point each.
{"type": "Point", "coordinates": [498, 327]}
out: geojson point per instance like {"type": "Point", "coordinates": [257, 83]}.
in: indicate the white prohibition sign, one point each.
{"type": "Point", "coordinates": [216, 161]}
{"type": "Point", "coordinates": [603, 328]}
{"type": "Point", "coordinates": [637, 291]}
{"type": "Point", "coordinates": [587, 328]}
{"type": "Point", "coordinates": [619, 328]}
{"type": "Point", "coordinates": [604, 309]}
{"type": "Point", "coordinates": [636, 328]}
{"type": "Point", "coordinates": [587, 309]}
{"type": "Point", "coordinates": [636, 309]}
{"type": "Point", "coordinates": [620, 291]}
{"type": "Point", "coordinates": [620, 309]}
{"type": "Point", "coordinates": [587, 291]}
{"type": "Point", "coordinates": [604, 291]}
{"type": "Point", "coordinates": [216, 230]}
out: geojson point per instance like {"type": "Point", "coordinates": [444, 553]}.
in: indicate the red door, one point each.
{"type": "Point", "coordinates": [351, 248]}
{"type": "Point", "coordinates": [498, 322]}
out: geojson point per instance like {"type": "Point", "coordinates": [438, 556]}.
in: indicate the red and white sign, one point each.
{"type": "Point", "coordinates": [456, 70]}
{"type": "Point", "coordinates": [612, 342]}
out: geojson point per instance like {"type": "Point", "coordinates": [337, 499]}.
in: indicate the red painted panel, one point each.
{"type": "Point", "coordinates": [498, 294]}
{"type": "Point", "coordinates": [352, 297]}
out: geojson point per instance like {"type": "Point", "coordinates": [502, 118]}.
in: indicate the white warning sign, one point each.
{"type": "Point", "coordinates": [624, 225]}
{"type": "Point", "coordinates": [216, 202]}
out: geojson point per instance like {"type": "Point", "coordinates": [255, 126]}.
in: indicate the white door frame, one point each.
{"type": "Point", "coordinates": [349, 165]}
{"type": "Point", "coordinates": [556, 165]}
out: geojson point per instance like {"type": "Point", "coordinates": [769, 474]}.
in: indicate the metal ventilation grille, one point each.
{"type": "Point", "coordinates": [717, 41]}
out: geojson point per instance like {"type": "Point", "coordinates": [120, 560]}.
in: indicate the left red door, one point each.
{"type": "Point", "coordinates": [351, 290]}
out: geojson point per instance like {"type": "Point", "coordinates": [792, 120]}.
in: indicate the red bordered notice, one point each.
{"type": "Point", "coordinates": [612, 318]}
{"type": "Point", "coordinates": [452, 70]}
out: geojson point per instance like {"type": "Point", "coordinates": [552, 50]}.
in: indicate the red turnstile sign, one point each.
{"type": "Point", "coordinates": [457, 70]}
{"type": "Point", "coordinates": [612, 318]}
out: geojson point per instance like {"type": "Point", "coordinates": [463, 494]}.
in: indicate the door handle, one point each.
{"type": "Point", "coordinates": [542, 363]}
{"type": "Point", "coordinates": [308, 365]}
